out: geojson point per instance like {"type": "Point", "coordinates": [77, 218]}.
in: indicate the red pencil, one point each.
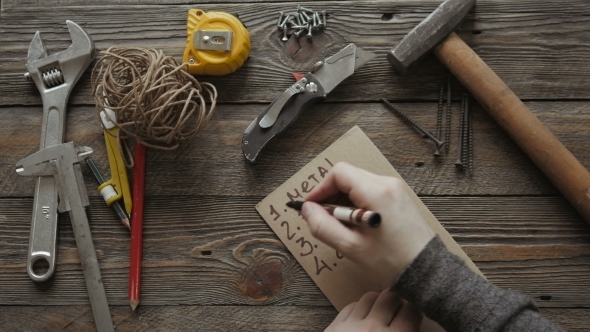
{"type": "Point", "coordinates": [137, 226]}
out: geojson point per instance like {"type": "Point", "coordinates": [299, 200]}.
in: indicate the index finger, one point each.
{"type": "Point", "coordinates": [340, 179]}
{"type": "Point", "coordinates": [347, 179]}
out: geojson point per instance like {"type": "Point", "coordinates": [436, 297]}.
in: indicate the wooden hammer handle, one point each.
{"type": "Point", "coordinates": [558, 164]}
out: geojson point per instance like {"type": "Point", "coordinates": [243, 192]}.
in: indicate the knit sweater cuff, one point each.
{"type": "Point", "coordinates": [448, 292]}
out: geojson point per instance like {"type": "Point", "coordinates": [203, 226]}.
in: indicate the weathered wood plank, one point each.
{"type": "Point", "coordinates": [212, 164]}
{"type": "Point", "coordinates": [538, 49]}
{"type": "Point", "coordinates": [216, 250]}
{"type": "Point", "coordinates": [521, 6]}
{"type": "Point", "coordinates": [170, 318]}
{"type": "Point", "coordinates": [217, 318]}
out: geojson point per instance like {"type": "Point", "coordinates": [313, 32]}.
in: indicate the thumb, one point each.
{"type": "Point", "coordinates": [328, 229]}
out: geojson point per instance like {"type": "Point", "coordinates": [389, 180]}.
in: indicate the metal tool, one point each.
{"type": "Point", "coordinates": [426, 133]}
{"type": "Point", "coordinates": [439, 113]}
{"type": "Point", "coordinates": [62, 163]}
{"type": "Point", "coordinates": [460, 157]}
{"type": "Point", "coordinates": [544, 149]}
{"type": "Point", "coordinates": [217, 43]}
{"type": "Point", "coordinates": [313, 87]}
{"type": "Point", "coordinates": [304, 23]}
{"type": "Point", "coordinates": [55, 76]}
{"type": "Point", "coordinates": [448, 121]}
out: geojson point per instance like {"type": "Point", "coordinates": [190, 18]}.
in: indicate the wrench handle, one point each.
{"type": "Point", "coordinates": [44, 224]}
{"type": "Point", "coordinates": [533, 137]}
{"type": "Point", "coordinates": [43, 236]}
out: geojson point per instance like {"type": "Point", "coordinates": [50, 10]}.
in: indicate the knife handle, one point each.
{"type": "Point", "coordinates": [256, 138]}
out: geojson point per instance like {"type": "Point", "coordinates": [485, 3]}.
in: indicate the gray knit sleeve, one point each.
{"type": "Point", "coordinates": [448, 292]}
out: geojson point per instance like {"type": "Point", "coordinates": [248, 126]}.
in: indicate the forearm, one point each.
{"type": "Point", "coordinates": [447, 291]}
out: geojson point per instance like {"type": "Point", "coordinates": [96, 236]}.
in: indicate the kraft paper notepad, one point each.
{"type": "Point", "coordinates": [340, 280]}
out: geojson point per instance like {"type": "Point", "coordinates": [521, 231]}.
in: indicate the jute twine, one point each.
{"type": "Point", "coordinates": [155, 101]}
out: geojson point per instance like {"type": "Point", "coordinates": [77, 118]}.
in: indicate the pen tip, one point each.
{"type": "Point", "coordinates": [134, 304]}
{"type": "Point", "coordinates": [375, 220]}
{"type": "Point", "coordinates": [295, 205]}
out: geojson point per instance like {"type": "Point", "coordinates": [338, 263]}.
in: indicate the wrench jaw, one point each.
{"type": "Point", "coordinates": [62, 69]}
{"type": "Point", "coordinates": [82, 43]}
{"type": "Point", "coordinates": [37, 49]}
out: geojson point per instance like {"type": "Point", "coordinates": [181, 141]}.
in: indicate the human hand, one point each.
{"type": "Point", "coordinates": [377, 312]}
{"type": "Point", "coordinates": [392, 246]}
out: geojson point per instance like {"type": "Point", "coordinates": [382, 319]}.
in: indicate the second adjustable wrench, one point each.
{"type": "Point", "coordinates": [55, 76]}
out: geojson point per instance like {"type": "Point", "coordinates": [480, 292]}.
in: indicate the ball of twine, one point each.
{"type": "Point", "coordinates": [155, 101]}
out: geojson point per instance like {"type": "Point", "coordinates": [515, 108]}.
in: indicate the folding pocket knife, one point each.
{"type": "Point", "coordinates": [311, 88]}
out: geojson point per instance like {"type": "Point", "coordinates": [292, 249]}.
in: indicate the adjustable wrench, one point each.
{"type": "Point", "coordinates": [55, 76]}
{"type": "Point", "coordinates": [62, 163]}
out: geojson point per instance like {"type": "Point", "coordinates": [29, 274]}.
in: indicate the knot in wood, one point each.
{"type": "Point", "coordinates": [262, 279]}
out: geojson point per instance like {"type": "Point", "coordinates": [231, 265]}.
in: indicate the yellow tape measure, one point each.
{"type": "Point", "coordinates": [217, 43]}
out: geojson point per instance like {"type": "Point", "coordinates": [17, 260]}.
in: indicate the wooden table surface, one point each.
{"type": "Point", "coordinates": [210, 261]}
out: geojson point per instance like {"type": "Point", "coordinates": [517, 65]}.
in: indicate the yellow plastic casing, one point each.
{"type": "Point", "coordinates": [119, 178]}
{"type": "Point", "coordinates": [215, 62]}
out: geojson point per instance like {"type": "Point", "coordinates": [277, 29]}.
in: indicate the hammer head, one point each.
{"type": "Point", "coordinates": [426, 35]}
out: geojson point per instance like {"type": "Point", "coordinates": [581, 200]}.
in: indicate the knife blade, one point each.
{"type": "Point", "coordinates": [310, 89]}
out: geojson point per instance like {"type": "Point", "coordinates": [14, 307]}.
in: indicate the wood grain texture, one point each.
{"type": "Point", "coordinates": [217, 250]}
{"type": "Point", "coordinates": [202, 318]}
{"type": "Point", "coordinates": [210, 262]}
{"type": "Point", "coordinates": [537, 49]}
{"type": "Point", "coordinates": [213, 164]}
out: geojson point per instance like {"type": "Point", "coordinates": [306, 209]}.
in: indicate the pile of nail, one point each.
{"type": "Point", "coordinates": [305, 20]}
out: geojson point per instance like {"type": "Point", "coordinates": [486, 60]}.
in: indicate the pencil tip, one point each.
{"type": "Point", "coordinates": [126, 223]}
{"type": "Point", "coordinates": [134, 304]}
{"type": "Point", "coordinates": [295, 205]}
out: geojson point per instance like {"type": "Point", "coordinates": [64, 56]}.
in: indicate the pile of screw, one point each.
{"type": "Point", "coordinates": [304, 20]}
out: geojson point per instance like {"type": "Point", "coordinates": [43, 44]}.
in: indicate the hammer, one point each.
{"type": "Point", "coordinates": [554, 160]}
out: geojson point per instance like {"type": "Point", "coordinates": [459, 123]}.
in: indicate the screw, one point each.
{"type": "Point", "coordinates": [315, 20]}
{"type": "Point", "coordinates": [285, 33]}
{"type": "Point", "coordinates": [303, 20]}
{"type": "Point", "coordinates": [459, 161]}
{"type": "Point", "coordinates": [470, 137]}
{"type": "Point", "coordinates": [300, 32]}
{"type": "Point", "coordinates": [303, 9]}
{"type": "Point", "coordinates": [290, 20]}
{"type": "Point", "coordinates": [324, 18]}
{"type": "Point", "coordinates": [285, 21]}
{"type": "Point", "coordinates": [191, 60]}
{"type": "Point", "coordinates": [320, 23]}
{"type": "Point", "coordinates": [298, 18]}
{"type": "Point", "coordinates": [299, 27]}
{"type": "Point", "coordinates": [281, 14]}
{"type": "Point", "coordinates": [439, 116]}
{"type": "Point", "coordinates": [412, 123]}
{"type": "Point", "coordinates": [448, 122]}
{"type": "Point", "coordinates": [307, 18]}
{"type": "Point", "coordinates": [464, 157]}
{"type": "Point", "coordinates": [309, 30]}
{"type": "Point", "coordinates": [311, 87]}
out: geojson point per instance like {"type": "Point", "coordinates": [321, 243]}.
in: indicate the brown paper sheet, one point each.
{"type": "Point", "coordinates": [340, 280]}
